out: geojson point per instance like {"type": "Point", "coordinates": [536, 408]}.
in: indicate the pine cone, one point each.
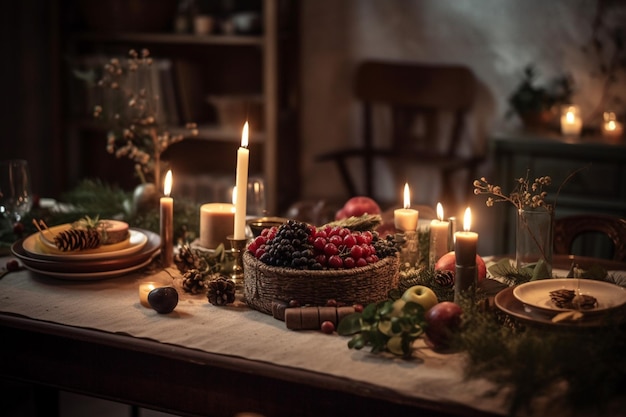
{"type": "Point", "coordinates": [193, 282]}
{"type": "Point", "coordinates": [77, 239]}
{"type": "Point", "coordinates": [187, 259]}
{"type": "Point", "coordinates": [221, 291]}
{"type": "Point", "coordinates": [444, 278]}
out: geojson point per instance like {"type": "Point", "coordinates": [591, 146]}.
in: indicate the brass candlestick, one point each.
{"type": "Point", "coordinates": [238, 246]}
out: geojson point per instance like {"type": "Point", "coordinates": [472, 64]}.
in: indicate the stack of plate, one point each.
{"type": "Point", "coordinates": [40, 255]}
{"type": "Point", "coordinates": [531, 301]}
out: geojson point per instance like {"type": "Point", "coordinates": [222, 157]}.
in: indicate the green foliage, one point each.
{"type": "Point", "coordinates": [529, 97]}
{"type": "Point", "coordinates": [385, 327]}
{"type": "Point", "coordinates": [527, 361]}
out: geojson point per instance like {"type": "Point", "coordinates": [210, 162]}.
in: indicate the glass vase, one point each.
{"type": "Point", "coordinates": [534, 240]}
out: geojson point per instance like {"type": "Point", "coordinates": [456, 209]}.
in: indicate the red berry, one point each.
{"type": "Point", "coordinates": [259, 252]}
{"type": "Point", "coordinates": [331, 303]}
{"type": "Point", "coordinates": [319, 243]}
{"type": "Point", "coordinates": [356, 252]}
{"type": "Point", "coordinates": [13, 265]}
{"type": "Point", "coordinates": [252, 247]}
{"type": "Point", "coordinates": [331, 249]}
{"type": "Point", "coordinates": [294, 303]}
{"type": "Point", "coordinates": [335, 262]}
{"type": "Point", "coordinates": [328, 327]}
{"type": "Point", "coordinates": [349, 262]}
{"type": "Point", "coordinates": [361, 262]}
{"type": "Point", "coordinates": [321, 258]}
{"type": "Point", "coordinates": [349, 241]}
{"type": "Point", "coordinates": [358, 308]}
{"type": "Point", "coordinates": [335, 240]}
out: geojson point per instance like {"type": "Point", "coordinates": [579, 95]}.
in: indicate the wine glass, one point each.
{"type": "Point", "coordinates": [256, 204]}
{"type": "Point", "coordinates": [15, 190]}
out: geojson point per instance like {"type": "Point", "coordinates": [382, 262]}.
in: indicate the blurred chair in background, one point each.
{"type": "Point", "coordinates": [594, 235]}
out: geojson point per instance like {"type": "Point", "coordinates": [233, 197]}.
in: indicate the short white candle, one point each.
{"type": "Point", "coordinates": [216, 224]}
{"type": "Point", "coordinates": [167, 222]}
{"type": "Point", "coordinates": [439, 231]}
{"type": "Point", "coordinates": [405, 219]}
{"type": "Point", "coordinates": [571, 122]}
{"type": "Point", "coordinates": [241, 184]}
{"type": "Point", "coordinates": [144, 290]}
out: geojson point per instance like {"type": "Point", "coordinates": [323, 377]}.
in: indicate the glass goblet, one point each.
{"type": "Point", "coordinates": [15, 189]}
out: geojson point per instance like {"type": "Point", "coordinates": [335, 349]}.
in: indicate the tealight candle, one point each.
{"type": "Point", "coordinates": [241, 184]}
{"type": "Point", "coordinates": [406, 218]}
{"type": "Point", "coordinates": [216, 224]}
{"type": "Point", "coordinates": [571, 122]}
{"type": "Point", "coordinates": [144, 290]}
{"type": "Point", "coordinates": [465, 255]}
{"type": "Point", "coordinates": [611, 128]}
{"type": "Point", "coordinates": [439, 230]}
{"type": "Point", "coordinates": [167, 222]}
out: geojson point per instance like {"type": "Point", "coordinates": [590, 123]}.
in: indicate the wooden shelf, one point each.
{"type": "Point", "coordinates": [170, 38]}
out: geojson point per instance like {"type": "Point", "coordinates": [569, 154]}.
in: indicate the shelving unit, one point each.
{"type": "Point", "coordinates": [216, 64]}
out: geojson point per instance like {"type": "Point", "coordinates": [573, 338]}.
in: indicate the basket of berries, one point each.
{"type": "Point", "coordinates": [299, 262]}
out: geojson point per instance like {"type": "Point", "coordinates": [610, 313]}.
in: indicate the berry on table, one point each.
{"type": "Point", "coordinates": [12, 265]}
{"type": "Point", "coordinates": [327, 327]}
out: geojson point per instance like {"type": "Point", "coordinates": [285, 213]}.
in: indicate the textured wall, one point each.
{"type": "Point", "coordinates": [495, 38]}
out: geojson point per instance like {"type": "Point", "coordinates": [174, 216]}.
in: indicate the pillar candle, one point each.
{"type": "Point", "coordinates": [466, 242]}
{"type": "Point", "coordinates": [465, 253]}
{"type": "Point", "coordinates": [439, 230]}
{"type": "Point", "coordinates": [216, 224]}
{"type": "Point", "coordinates": [405, 219]}
{"type": "Point", "coordinates": [241, 184]}
{"type": "Point", "coordinates": [167, 222]}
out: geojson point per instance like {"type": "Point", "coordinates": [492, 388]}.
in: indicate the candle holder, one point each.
{"type": "Point", "coordinates": [409, 248]}
{"type": "Point", "coordinates": [452, 228]}
{"type": "Point", "coordinates": [237, 247]}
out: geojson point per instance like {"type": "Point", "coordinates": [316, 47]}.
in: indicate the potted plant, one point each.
{"type": "Point", "coordinates": [537, 105]}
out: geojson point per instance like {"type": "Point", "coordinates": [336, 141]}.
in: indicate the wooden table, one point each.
{"type": "Point", "coordinates": [189, 381]}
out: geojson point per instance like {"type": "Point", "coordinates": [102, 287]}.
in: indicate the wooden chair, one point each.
{"type": "Point", "coordinates": [418, 98]}
{"type": "Point", "coordinates": [568, 230]}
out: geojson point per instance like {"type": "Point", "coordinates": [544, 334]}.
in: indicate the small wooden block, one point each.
{"type": "Point", "coordinates": [293, 318]}
{"type": "Point", "coordinates": [328, 314]}
{"type": "Point", "coordinates": [310, 318]}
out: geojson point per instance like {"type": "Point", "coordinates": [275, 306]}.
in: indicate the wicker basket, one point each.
{"type": "Point", "coordinates": [264, 284]}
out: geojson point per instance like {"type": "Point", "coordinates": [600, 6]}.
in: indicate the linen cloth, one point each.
{"type": "Point", "coordinates": [112, 305]}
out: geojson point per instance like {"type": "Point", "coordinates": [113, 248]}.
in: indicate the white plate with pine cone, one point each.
{"type": "Point", "coordinates": [42, 248]}
{"type": "Point", "coordinates": [557, 295]}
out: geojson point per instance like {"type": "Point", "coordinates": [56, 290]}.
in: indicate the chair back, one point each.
{"type": "Point", "coordinates": [568, 230]}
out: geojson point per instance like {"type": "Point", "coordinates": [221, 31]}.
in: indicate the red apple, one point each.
{"type": "Point", "coordinates": [442, 320]}
{"type": "Point", "coordinates": [448, 263]}
{"type": "Point", "coordinates": [358, 206]}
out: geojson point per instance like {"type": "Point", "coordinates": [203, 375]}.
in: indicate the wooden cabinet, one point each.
{"type": "Point", "coordinates": [216, 80]}
{"type": "Point", "coordinates": [599, 185]}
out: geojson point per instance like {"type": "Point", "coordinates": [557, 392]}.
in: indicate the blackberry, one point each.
{"type": "Point", "coordinates": [384, 247]}
{"type": "Point", "coordinates": [290, 247]}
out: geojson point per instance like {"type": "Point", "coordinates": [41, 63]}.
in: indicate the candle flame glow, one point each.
{"type": "Point", "coordinates": [167, 185]}
{"type": "Point", "coordinates": [570, 116]}
{"type": "Point", "coordinates": [610, 125]}
{"type": "Point", "coordinates": [439, 211]}
{"type": "Point", "coordinates": [467, 220]}
{"type": "Point", "coordinates": [234, 199]}
{"type": "Point", "coordinates": [407, 196]}
{"type": "Point", "coordinates": [244, 136]}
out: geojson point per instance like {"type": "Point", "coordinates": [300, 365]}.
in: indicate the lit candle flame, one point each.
{"type": "Point", "coordinates": [610, 125]}
{"type": "Point", "coordinates": [167, 186]}
{"type": "Point", "coordinates": [439, 211]}
{"type": "Point", "coordinates": [407, 196]}
{"type": "Point", "coordinates": [467, 220]}
{"type": "Point", "coordinates": [244, 136]}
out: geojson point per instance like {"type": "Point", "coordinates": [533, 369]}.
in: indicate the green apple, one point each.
{"type": "Point", "coordinates": [421, 295]}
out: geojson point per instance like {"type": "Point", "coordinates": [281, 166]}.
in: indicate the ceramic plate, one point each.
{"type": "Point", "coordinates": [93, 276]}
{"type": "Point", "coordinates": [507, 303]}
{"type": "Point", "coordinates": [43, 249]}
{"type": "Point", "coordinates": [536, 294]}
{"type": "Point", "coordinates": [78, 269]}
